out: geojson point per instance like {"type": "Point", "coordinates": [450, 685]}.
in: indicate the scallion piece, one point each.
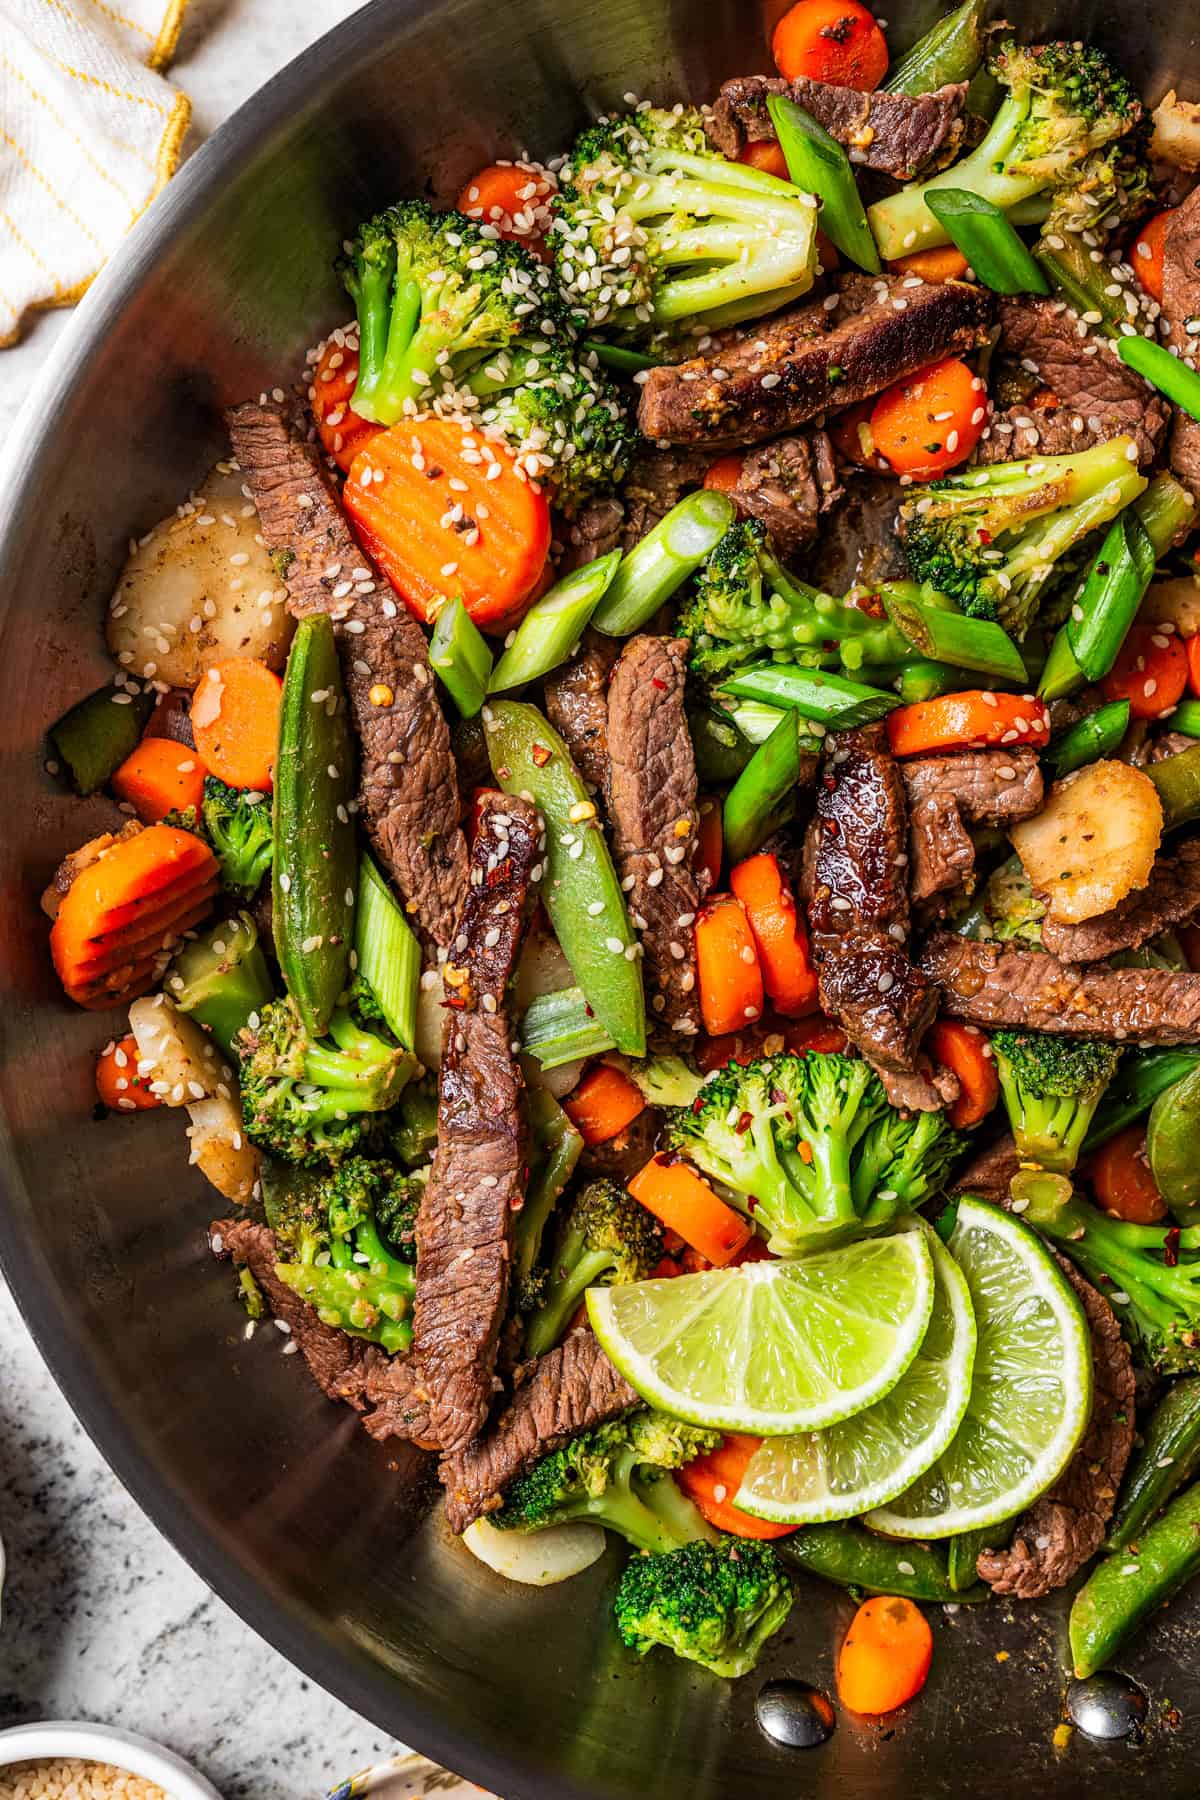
{"type": "Point", "coordinates": [988, 241]}
{"type": "Point", "coordinates": [950, 51]}
{"type": "Point", "coordinates": [662, 562]}
{"type": "Point", "coordinates": [1186, 718]}
{"type": "Point", "coordinates": [922, 679]}
{"type": "Point", "coordinates": [1090, 739]}
{"type": "Point", "coordinates": [561, 1027]}
{"type": "Point", "coordinates": [945, 635]}
{"type": "Point", "coordinates": [616, 356]}
{"type": "Point", "coordinates": [460, 656]}
{"type": "Point", "coordinates": [762, 797]}
{"type": "Point", "coordinates": [388, 954]}
{"type": "Point", "coordinates": [1169, 374]}
{"type": "Point", "coordinates": [818, 164]}
{"type": "Point", "coordinates": [1112, 593]}
{"type": "Point", "coordinates": [816, 694]}
{"type": "Point", "coordinates": [1177, 779]}
{"type": "Point", "coordinates": [553, 626]}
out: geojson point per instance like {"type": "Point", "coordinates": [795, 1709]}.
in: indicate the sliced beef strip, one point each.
{"type": "Point", "coordinates": [439, 1396]}
{"type": "Point", "coordinates": [577, 705]}
{"type": "Point", "coordinates": [1181, 308]}
{"type": "Point", "coordinates": [1170, 898]}
{"type": "Point", "coordinates": [948, 793]}
{"type": "Point", "coordinates": [994, 985]}
{"type": "Point", "coordinates": [788, 485]}
{"type": "Point", "coordinates": [989, 1173]}
{"type": "Point", "coordinates": [336, 1361]}
{"type": "Point", "coordinates": [1097, 397]}
{"type": "Point", "coordinates": [855, 882]}
{"type": "Point", "coordinates": [1066, 1525]}
{"type": "Point", "coordinates": [409, 787]}
{"type": "Point", "coordinates": [571, 1389]}
{"type": "Point", "coordinates": [893, 134]}
{"type": "Point", "coordinates": [631, 1149]}
{"type": "Point", "coordinates": [929, 1088]}
{"type": "Point", "coordinates": [657, 479]}
{"type": "Point", "coordinates": [654, 817]}
{"type": "Point", "coordinates": [858, 542]}
{"type": "Point", "coordinates": [592, 533]}
{"type": "Point", "coordinates": [763, 380]}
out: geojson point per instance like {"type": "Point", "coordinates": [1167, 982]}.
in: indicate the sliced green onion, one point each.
{"type": "Point", "coordinates": [1177, 779]}
{"type": "Point", "coordinates": [818, 164]}
{"type": "Point", "coordinates": [1102, 614]}
{"type": "Point", "coordinates": [814, 693]}
{"type": "Point", "coordinates": [988, 241]}
{"type": "Point", "coordinates": [388, 954]}
{"type": "Point", "coordinates": [459, 653]}
{"type": "Point", "coordinates": [616, 356]}
{"type": "Point", "coordinates": [1061, 674]}
{"type": "Point", "coordinates": [1169, 374]}
{"type": "Point", "coordinates": [553, 626]}
{"type": "Point", "coordinates": [662, 562]}
{"type": "Point", "coordinates": [950, 51]}
{"type": "Point", "coordinates": [1090, 739]}
{"type": "Point", "coordinates": [945, 635]}
{"type": "Point", "coordinates": [763, 795]}
{"type": "Point", "coordinates": [756, 720]}
{"type": "Point", "coordinates": [561, 1027]}
{"type": "Point", "coordinates": [1186, 718]}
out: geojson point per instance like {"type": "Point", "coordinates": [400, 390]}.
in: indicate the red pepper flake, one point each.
{"type": "Point", "coordinates": [660, 685]}
{"type": "Point", "coordinates": [830, 784]}
{"type": "Point", "coordinates": [752, 1202]}
{"type": "Point", "coordinates": [745, 1121]}
{"type": "Point", "coordinates": [540, 755]}
{"type": "Point", "coordinates": [831, 826]}
{"type": "Point", "coordinates": [982, 536]}
{"type": "Point", "coordinates": [697, 1105]}
{"type": "Point", "coordinates": [1171, 1248]}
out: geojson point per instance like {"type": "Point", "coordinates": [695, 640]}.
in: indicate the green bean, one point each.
{"type": "Point", "coordinates": [988, 241]}
{"type": "Point", "coordinates": [829, 699]}
{"type": "Point", "coordinates": [560, 1028]}
{"type": "Point", "coordinates": [1173, 1147]}
{"type": "Point", "coordinates": [388, 954]}
{"type": "Point", "coordinates": [616, 356]}
{"type": "Point", "coordinates": [1112, 593]}
{"type": "Point", "coordinates": [1142, 1076]}
{"type": "Point", "coordinates": [662, 562]}
{"type": "Point", "coordinates": [854, 1557]}
{"type": "Point", "coordinates": [460, 654]}
{"type": "Point", "coordinates": [95, 736]}
{"type": "Point", "coordinates": [1168, 1458]}
{"type": "Point", "coordinates": [1090, 739]}
{"type": "Point", "coordinates": [945, 635]}
{"type": "Point", "coordinates": [1124, 1589]}
{"type": "Point", "coordinates": [1169, 374]}
{"type": "Point", "coordinates": [757, 803]}
{"type": "Point", "coordinates": [1177, 779]}
{"type": "Point", "coordinates": [1186, 718]}
{"type": "Point", "coordinates": [557, 1147]}
{"type": "Point", "coordinates": [553, 626]}
{"type": "Point", "coordinates": [817, 163]}
{"type": "Point", "coordinates": [950, 52]}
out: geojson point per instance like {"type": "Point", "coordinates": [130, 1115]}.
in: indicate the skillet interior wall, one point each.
{"type": "Point", "coordinates": [285, 1506]}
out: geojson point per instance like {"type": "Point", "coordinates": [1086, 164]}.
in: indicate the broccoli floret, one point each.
{"type": "Point", "coordinates": [616, 1475]}
{"type": "Point", "coordinates": [1052, 1087]}
{"type": "Point", "coordinates": [605, 1237]}
{"type": "Point", "coordinates": [221, 978]}
{"type": "Point", "coordinates": [185, 818]}
{"type": "Point", "coordinates": [901, 1161]}
{"type": "Point", "coordinates": [1064, 106]}
{"type": "Point", "coordinates": [1151, 1276]}
{"type": "Point", "coordinates": [434, 295]}
{"type": "Point", "coordinates": [746, 607]}
{"type": "Point", "coordinates": [564, 419]}
{"type": "Point", "coordinates": [311, 1103]}
{"type": "Point", "coordinates": [654, 231]}
{"type": "Point", "coordinates": [994, 538]}
{"type": "Point", "coordinates": [715, 1604]}
{"type": "Point", "coordinates": [411, 1130]}
{"type": "Point", "coordinates": [237, 823]}
{"type": "Point", "coordinates": [1011, 909]}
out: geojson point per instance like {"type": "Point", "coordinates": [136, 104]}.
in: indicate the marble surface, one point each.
{"type": "Point", "coordinates": [102, 1620]}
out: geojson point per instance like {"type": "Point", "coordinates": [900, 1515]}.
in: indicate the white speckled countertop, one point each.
{"type": "Point", "coordinates": [102, 1620]}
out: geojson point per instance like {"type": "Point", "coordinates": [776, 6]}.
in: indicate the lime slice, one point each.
{"type": "Point", "coordinates": [773, 1347]}
{"type": "Point", "coordinates": [869, 1459]}
{"type": "Point", "coordinates": [1031, 1392]}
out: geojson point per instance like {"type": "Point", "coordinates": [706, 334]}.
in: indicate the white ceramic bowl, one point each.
{"type": "Point", "coordinates": [105, 1744]}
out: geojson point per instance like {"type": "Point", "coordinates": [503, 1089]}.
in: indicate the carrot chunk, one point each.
{"type": "Point", "coordinates": [603, 1103]}
{"type": "Point", "coordinates": [837, 41]}
{"type": "Point", "coordinates": [712, 1481]}
{"type": "Point", "coordinates": [118, 1083]}
{"type": "Point", "coordinates": [341, 430]}
{"type": "Point", "coordinates": [974, 720]}
{"type": "Point", "coordinates": [683, 1202]}
{"type": "Point", "coordinates": [778, 932]}
{"type": "Point", "coordinates": [885, 1656]}
{"type": "Point", "coordinates": [966, 1052]}
{"type": "Point", "coordinates": [930, 421]}
{"type": "Point", "coordinates": [159, 777]}
{"type": "Point", "coordinates": [727, 967]}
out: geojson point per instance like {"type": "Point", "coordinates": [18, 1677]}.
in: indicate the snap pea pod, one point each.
{"type": "Point", "coordinates": [1124, 1589]}
{"type": "Point", "coordinates": [1173, 1147]}
{"type": "Point", "coordinates": [950, 51]}
{"type": "Point", "coordinates": [962, 1553]}
{"type": "Point", "coordinates": [923, 679]}
{"type": "Point", "coordinates": [314, 876]}
{"type": "Point", "coordinates": [817, 163]}
{"type": "Point", "coordinates": [662, 562]}
{"type": "Point", "coordinates": [557, 1147]}
{"type": "Point", "coordinates": [1090, 739]}
{"type": "Point", "coordinates": [721, 748]}
{"type": "Point", "coordinates": [944, 635]}
{"type": "Point", "coordinates": [1112, 593]}
{"type": "Point", "coordinates": [553, 626]}
{"type": "Point", "coordinates": [92, 740]}
{"type": "Point", "coordinates": [854, 1557]}
{"type": "Point", "coordinates": [1141, 1078]}
{"type": "Point", "coordinates": [1186, 718]}
{"type": "Point", "coordinates": [1177, 779]}
{"type": "Point", "coordinates": [761, 798]}
{"type": "Point", "coordinates": [560, 1028]}
{"type": "Point", "coordinates": [987, 240]}
{"type": "Point", "coordinates": [816, 694]}
{"type": "Point", "coordinates": [580, 891]}
{"type": "Point", "coordinates": [1168, 1459]}
{"type": "Point", "coordinates": [459, 653]}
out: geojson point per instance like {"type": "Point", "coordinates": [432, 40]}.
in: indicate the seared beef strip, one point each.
{"type": "Point", "coordinates": [622, 1156]}
{"type": "Point", "coordinates": [409, 787]}
{"type": "Point", "coordinates": [1065, 1526]}
{"type": "Point", "coordinates": [657, 480]}
{"type": "Point", "coordinates": [993, 984]}
{"type": "Point", "coordinates": [928, 1089]}
{"type": "Point", "coordinates": [571, 1389]}
{"type": "Point", "coordinates": [857, 893]}
{"type": "Point", "coordinates": [652, 809]}
{"type": "Point", "coordinates": [336, 1361]}
{"type": "Point", "coordinates": [1082, 393]}
{"type": "Point", "coordinates": [759, 381]}
{"type": "Point", "coordinates": [895, 134]}
{"type": "Point", "coordinates": [577, 705]}
{"type": "Point", "coordinates": [1170, 898]}
{"type": "Point", "coordinates": [990, 1172]}
{"type": "Point", "coordinates": [440, 1394]}
{"type": "Point", "coordinates": [947, 793]}
{"type": "Point", "coordinates": [1181, 309]}
{"type": "Point", "coordinates": [593, 532]}
{"type": "Point", "coordinates": [787, 485]}
{"type": "Point", "coordinates": [858, 542]}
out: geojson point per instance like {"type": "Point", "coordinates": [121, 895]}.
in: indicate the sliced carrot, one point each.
{"type": "Point", "coordinates": [514, 197]}
{"type": "Point", "coordinates": [930, 421]}
{"type": "Point", "coordinates": [727, 967]}
{"type": "Point", "coordinates": [1191, 648]}
{"type": "Point", "coordinates": [851, 434]}
{"type": "Point", "coordinates": [235, 721]}
{"type": "Point", "coordinates": [341, 431]}
{"type": "Point", "coordinates": [973, 720]}
{"type": "Point", "coordinates": [778, 932]}
{"type": "Point", "coordinates": [683, 1202]}
{"type": "Point", "coordinates": [1151, 672]}
{"type": "Point", "coordinates": [484, 538]}
{"type": "Point", "coordinates": [816, 1036]}
{"type": "Point", "coordinates": [831, 40]}
{"type": "Point", "coordinates": [142, 938]}
{"type": "Point", "coordinates": [725, 474]}
{"type": "Point", "coordinates": [1122, 1181]}
{"type": "Point", "coordinates": [603, 1103]}
{"type": "Point", "coordinates": [934, 266]}
{"type": "Point", "coordinates": [712, 1481]}
{"type": "Point", "coordinates": [768, 155]}
{"type": "Point", "coordinates": [885, 1656]}
{"type": "Point", "coordinates": [118, 1083]}
{"type": "Point", "coordinates": [158, 777]}
{"type": "Point", "coordinates": [966, 1052]}
{"type": "Point", "coordinates": [710, 848]}
{"type": "Point", "coordinates": [1147, 252]}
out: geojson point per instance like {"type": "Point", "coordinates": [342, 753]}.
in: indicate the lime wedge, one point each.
{"type": "Point", "coordinates": [1031, 1391]}
{"type": "Point", "coordinates": [773, 1347]}
{"type": "Point", "coordinates": [869, 1459]}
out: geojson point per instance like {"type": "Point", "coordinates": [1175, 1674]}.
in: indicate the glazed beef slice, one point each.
{"type": "Point", "coordinates": [1181, 309]}
{"type": "Point", "coordinates": [894, 134]}
{"type": "Point", "coordinates": [948, 793]}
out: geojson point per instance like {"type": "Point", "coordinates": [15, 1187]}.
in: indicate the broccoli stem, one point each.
{"type": "Point", "coordinates": [221, 977]}
{"type": "Point", "coordinates": [389, 382]}
{"type": "Point", "coordinates": [550, 1321]}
